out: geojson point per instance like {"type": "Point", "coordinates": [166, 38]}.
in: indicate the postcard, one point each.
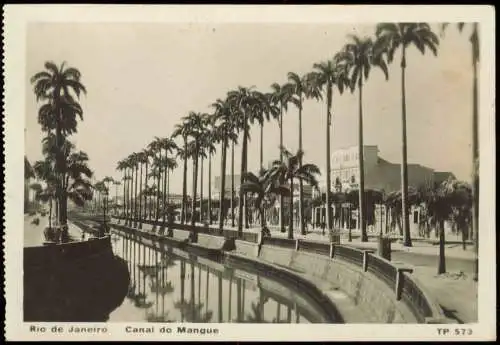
{"type": "Point", "coordinates": [244, 173]}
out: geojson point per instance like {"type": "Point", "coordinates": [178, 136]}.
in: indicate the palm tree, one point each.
{"type": "Point", "coordinates": [155, 147]}
{"type": "Point", "coordinates": [194, 125]}
{"type": "Point", "coordinates": [146, 154]}
{"type": "Point", "coordinates": [326, 75]}
{"type": "Point", "coordinates": [58, 86]}
{"type": "Point", "coordinates": [299, 90]}
{"type": "Point", "coordinates": [358, 56]}
{"type": "Point", "coordinates": [211, 137]}
{"type": "Point", "coordinates": [223, 132]}
{"type": "Point", "coordinates": [262, 186]}
{"type": "Point", "coordinates": [474, 40]}
{"type": "Point", "coordinates": [207, 149]}
{"type": "Point", "coordinates": [266, 109]}
{"type": "Point", "coordinates": [291, 169]}
{"type": "Point", "coordinates": [242, 101]}
{"type": "Point", "coordinates": [130, 188]}
{"type": "Point", "coordinates": [44, 171]}
{"type": "Point", "coordinates": [392, 36]}
{"type": "Point", "coordinates": [168, 163]}
{"type": "Point", "coordinates": [122, 167]}
{"type": "Point", "coordinates": [134, 162]}
{"type": "Point", "coordinates": [182, 130]}
{"type": "Point", "coordinates": [107, 180]}
{"type": "Point", "coordinates": [282, 95]}
{"type": "Point", "coordinates": [141, 160]}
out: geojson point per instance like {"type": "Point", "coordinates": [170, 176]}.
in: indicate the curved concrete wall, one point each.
{"type": "Point", "coordinates": [373, 297]}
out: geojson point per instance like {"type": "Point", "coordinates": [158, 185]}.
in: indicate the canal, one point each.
{"type": "Point", "coordinates": [171, 285]}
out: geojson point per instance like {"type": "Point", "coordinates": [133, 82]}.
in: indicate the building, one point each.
{"type": "Point", "coordinates": [379, 174]}
{"type": "Point", "coordinates": [217, 186]}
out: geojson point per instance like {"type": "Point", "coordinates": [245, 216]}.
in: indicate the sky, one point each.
{"type": "Point", "coordinates": [142, 78]}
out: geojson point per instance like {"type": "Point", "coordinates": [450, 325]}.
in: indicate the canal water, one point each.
{"type": "Point", "coordinates": [174, 286]}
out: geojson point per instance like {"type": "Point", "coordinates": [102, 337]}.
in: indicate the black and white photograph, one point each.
{"type": "Point", "coordinates": [193, 170]}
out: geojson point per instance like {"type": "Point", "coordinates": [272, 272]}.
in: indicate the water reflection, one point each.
{"type": "Point", "coordinates": [169, 285]}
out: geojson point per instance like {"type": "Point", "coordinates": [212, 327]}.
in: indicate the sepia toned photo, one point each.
{"type": "Point", "coordinates": [187, 175]}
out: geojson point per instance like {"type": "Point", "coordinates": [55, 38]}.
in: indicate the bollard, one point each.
{"type": "Point", "coordinates": [399, 280]}
{"type": "Point", "coordinates": [332, 250]}
{"type": "Point", "coordinates": [297, 244]}
{"type": "Point", "coordinates": [384, 248]}
{"type": "Point", "coordinates": [365, 258]}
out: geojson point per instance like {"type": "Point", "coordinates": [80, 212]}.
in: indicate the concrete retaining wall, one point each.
{"type": "Point", "coordinates": [373, 297]}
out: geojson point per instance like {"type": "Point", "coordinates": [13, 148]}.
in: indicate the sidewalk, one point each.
{"type": "Point", "coordinates": [33, 234]}
{"type": "Point", "coordinates": [420, 246]}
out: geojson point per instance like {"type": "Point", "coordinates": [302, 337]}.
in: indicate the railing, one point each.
{"type": "Point", "coordinates": [314, 247]}
{"type": "Point", "coordinates": [416, 299]}
{"type": "Point", "coordinates": [349, 254]}
{"type": "Point", "coordinates": [383, 269]}
{"type": "Point", "coordinates": [398, 279]}
{"type": "Point", "coordinates": [280, 242]}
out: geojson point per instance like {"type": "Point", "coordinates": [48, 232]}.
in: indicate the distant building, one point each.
{"type": "Point", "coordinates": [380, 174]}
{"type": "Point", "coordinates": [227, 186]}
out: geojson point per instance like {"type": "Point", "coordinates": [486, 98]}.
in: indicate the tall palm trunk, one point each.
{"type": "Point", "coordinates": [116, 199]}
{"type": "Point", "coordinates": [146, 204]}
{"type": "Point", "coordinates": [232, 184]}
{"type": "Point", "coordinates": [362, 206]}
{"type": "Point", "coordinates": [195, 185]}
{"type": "Point", "coordinates": [475, 148]}
{"type": "Point", "coordinates": [165, 174]}
{"type": "Point", "coordinates": [328, 214]}
{"type": "Point", "coordinates": [135, 194]}
{"type": "Point", "coordinates": [201, 190]}
{"type": "Point", "coordinates": [301, 184]}
{"type": "Point", "coordinates": [442, 258]}
{"type": "Point", "coordinates": [223, 185]}
{"type": "Point", "coordinates": [158, 194]}
{"type": "Point", "coordinates": [210, 189]}
{"type": "Point", "coordinates": [241, 208]}
{"type": "Point", "coordinates": [290, 200]}
{"type": "Point", "coordinates": [140, 196]}
{"type": "Point", "coordinates": [59, 169]}
{"type": "Point", "coordinates": [129, 193]}
{"type": "Point", "coordinates": [168, 186]}
{"type": "Point", "coordinates": [125, 182]}
{"type": "Point", "coordinates": [282, 200]}
{"type": "Point", "coordinates": [131, 199]}
{"type": "Point", "coordinates": [404, 163]}
{"type": "Point", "coordinates": [262, 145]}
{"type": "Point", "coordinates": [164, 201]}
{"type": "Point", "coordinates": [184, 184]}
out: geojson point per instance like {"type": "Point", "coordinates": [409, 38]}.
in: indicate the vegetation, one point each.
{"type": "Point", "coordinates": [146, 173]}
{"type": "Point", "coordinates": [59, 89]}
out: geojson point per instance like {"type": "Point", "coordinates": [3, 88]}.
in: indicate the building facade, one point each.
{"type": "Point", "coordinates": [379, 174]}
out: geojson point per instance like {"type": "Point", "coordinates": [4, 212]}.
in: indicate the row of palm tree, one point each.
{"type": "Point", "coordinates": [349, 68]}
